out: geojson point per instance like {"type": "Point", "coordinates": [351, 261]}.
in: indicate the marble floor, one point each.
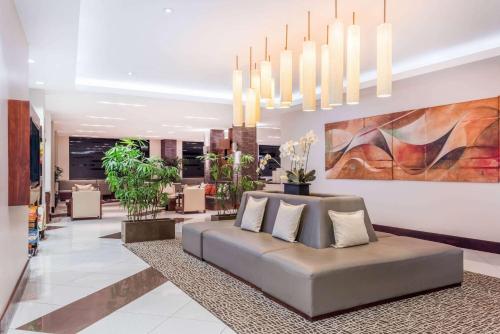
{"type": "Point", "coordinates": [75, 264]}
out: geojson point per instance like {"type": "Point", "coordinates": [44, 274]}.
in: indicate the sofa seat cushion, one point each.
{"type": "Point", "coordinates": [192, 234]}
{"type": "Point", "coordinates": [338, 279]}
{"type": "Point", "coordinates": [239, 251]}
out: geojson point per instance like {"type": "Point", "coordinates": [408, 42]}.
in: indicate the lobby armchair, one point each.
{"type": "Point", "coordinates": [86, 204]}
{"type": "Point", "coordinates": [191, 200]}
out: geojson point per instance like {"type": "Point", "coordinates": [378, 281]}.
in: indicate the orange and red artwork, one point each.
{"type": "Point", "coordinates": [455, 143]}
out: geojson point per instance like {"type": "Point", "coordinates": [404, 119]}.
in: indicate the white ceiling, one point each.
{"type": "Point", "coordinates": [181, 62]}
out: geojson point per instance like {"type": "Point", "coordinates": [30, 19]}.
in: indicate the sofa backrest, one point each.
{"type": "Point", "coordinates": [69, 184]}
{"type": "Point", "coordinates": [316, 229]}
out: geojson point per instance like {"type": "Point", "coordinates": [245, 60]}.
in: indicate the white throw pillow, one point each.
{"type": "Point", "coordinates": [287, 221]}
{"type": "Point", "coordinates": [349, 228]}
{"type": "Point", "coordinates": [254, 213]}
{"type": "Point", "coordinates": [84, 187]}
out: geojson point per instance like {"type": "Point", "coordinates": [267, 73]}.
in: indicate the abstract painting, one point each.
{"type": "Point", "coordinates": [455, 143]}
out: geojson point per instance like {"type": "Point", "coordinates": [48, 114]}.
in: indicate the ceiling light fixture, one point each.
{"type": "Point", "coordinates": [31, 61]}
{"type": "Point", "coordinates": [168, 10]}
{"type": "Point", "coordinates": [353, 62]}
{"type": "Point", "coordinates": [202, 117]}
{"type": "Point", "coordinates": [251, 101]}
{"type": "Point", "coordinates": [325, 73]}
{"type": "Point", "coordinates": [122, 104]}
{"type": "Point", "coordinates": [130, 74]}
{"type": "Point", "coordinates": [40, 83]}
{"type": "Point", "coordinates": [98, 125]}
{"type": "Point", "coordinates": [309, 70]}
{"type": "Point", "coordinates": [107, 118]}
{"type": "Point", "coordinates": [255, 79]}
{"type": "Point", "coordinates": [270, 101]}
{"type": "Point", "coordinates": [336, 42]}
{"type": "Point", "coordinates": [90, 131]}
{"type": "Point", "coordinates": [384, 57]}
{"type": "Point", "coordinates": [237, 96]}
{"type": "Point", "coordinates": [286, 74]}
{"type": "Point", "coordinates": [266, 75]}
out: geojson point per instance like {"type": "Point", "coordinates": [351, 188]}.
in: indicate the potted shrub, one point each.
{"type": "Point", "coordinates": [139, 183]}
{"type": "Point", "coordinates": [298, 177]}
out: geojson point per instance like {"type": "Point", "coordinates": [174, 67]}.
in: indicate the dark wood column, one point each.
{"type": "Point", "coordinates": [168, 149]}
{"type": "Point", "coordinates": [246, 140]}
{"type": "Point", "coordinates": [19, 152]}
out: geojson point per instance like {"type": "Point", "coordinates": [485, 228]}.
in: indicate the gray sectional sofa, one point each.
{"type": "Point", "coordinates": [310, 276]}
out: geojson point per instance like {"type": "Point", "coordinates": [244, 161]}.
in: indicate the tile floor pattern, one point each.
{"type": "Point", "coordinates": [74, 262]}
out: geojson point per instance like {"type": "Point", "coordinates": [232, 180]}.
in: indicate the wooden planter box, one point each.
{"type": "Point", "coordinates": [148, 230]}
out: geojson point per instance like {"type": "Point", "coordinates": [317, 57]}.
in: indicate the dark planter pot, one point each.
{"type": "Point", "coordinates": [148, 230]}
{"type": "Point", "coordinates": [297, 188]}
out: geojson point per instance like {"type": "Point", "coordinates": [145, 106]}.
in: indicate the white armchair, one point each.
{"type": "Point", "coordinates": [86, 204]}
{"type": "Point", "coordinates": [193, 199]}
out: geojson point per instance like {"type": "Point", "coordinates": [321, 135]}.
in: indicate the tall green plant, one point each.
{"type": "Point", "coordinates": [137, 181]}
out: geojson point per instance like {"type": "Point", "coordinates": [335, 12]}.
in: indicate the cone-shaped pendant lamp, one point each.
{"type": "Point", "coordinates": [237, 96]}
{"type": "Point", "coordinates": [353, 62]}
{"type": "Point", "coordinates": [384, 58]}
{"type": "Point", "coordinates": [251, 100]}
{"type": "Point", "coordinates": [266, 75]}
{"type": "Point", "coordinates": [286, 74]}
{"type": "Point", "coordinates": [309, 70]}
{"type": "Point", "coordinates": [255, 78]}
{"type": "Point", "coordinates": [325, 74]}
{"type": "Point", "coordinates": [336, 43]}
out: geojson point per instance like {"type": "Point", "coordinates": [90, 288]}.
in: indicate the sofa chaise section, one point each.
{"type": "Point", "coordinates": [321, 281]}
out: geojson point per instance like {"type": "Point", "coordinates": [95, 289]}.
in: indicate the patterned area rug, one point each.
{"type": "Point", "coordinates": [472, 308]}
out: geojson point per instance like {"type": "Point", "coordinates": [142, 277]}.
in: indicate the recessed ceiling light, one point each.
{"type": "Point", "coordinates": [168, 10]}
{"type": "Point", "coordinates": [39, 83]}
{"type": "Point", "coordinates": [99, 125]}
{"type": "Point", "coordinates": [107, 118]}
{"type": "Point", "coordinates": [201, 117]}
{"type": "Point", "coordinates": [31, 61]}
{"type": "Point", "coordinates": [90, 131]}
{"type": "Point", "coordinates": [150, 131]}
{"type": "Point", "coordinates": [274, 137]}
{"type": "Point", "coordinates": [130, 74]}
{"type": "Point", "coordinates": [122, 104]}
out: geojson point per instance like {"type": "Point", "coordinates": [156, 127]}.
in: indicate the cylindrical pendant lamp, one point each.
{"type": "Point", "coordinates": [353, 62]}
{"type": "Point", "coordinates": [237, 96]}
{"type": "Point", "coordinates": [309, 70]}
{"type": "Point", "coordinates": [336, 43]}
{"type": "Point", "coordinates": [255, 78]}
{"type": "Point", "coordinates": [270, 101]}
{"type": "Point", "coordinates": [266, 75]}
{"type": "Point", "coordinates": [325, 75]}
{"type": "Point", "coordinates": [384, 58]}
{"type": "Point", "coordinates": [286, 74]}
{"type": "Point", "coordinates": [251, 100]}
{"type": "Point", "coordinates": [301, 75]}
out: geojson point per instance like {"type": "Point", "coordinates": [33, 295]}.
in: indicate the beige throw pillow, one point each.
{"type": "Point", "coordinates": [287, 221]}
{"type": "Point", "coordinates": [84, 187]}
{"type": "Point", "coordinates": [254, 213]}
{"type": "Point", "coordinates": [349, 228]}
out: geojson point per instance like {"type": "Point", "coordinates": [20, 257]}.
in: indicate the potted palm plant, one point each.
{"type": "Point", "coordinates": [139, 183]}
{"type": "Point", "coordinates": [298, 177]}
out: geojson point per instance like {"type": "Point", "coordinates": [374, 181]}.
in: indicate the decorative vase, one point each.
{"type": "Point", "coordinates": [297, 188]}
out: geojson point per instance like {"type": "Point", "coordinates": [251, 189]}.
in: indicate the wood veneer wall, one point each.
{"type": "Point", "coordinates": [19, 152]}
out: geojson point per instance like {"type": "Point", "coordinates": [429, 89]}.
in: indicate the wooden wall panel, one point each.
{"type": "Point", "coordinates": [19, 152]}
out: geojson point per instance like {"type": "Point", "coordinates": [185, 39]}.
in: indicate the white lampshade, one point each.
{"type": "Point", "coordinates": [384, 60]}
{"type": "Point", "coordinates": [301, 74]}
{"type": "Point", "coordinates": [266, 74]}
{"type": "Point", "coordinates": [309, 76]}
{"type": "Point", "coordinates": [237, 98]}
{"type": "Point", "coordinates": [270, 101]}
{"type": "Point", "coordinates": [256, 86]}
{"type": "Point", "coordinates": [286, 75]}
{"type": "Point", "coordinates": [353, 64]}
{"type": "Point", "coordinates": [250, 108]}
{"type": "Point", "coordinates": [336, 63]}
{"type": "Point", "coordinates": [325, 77]}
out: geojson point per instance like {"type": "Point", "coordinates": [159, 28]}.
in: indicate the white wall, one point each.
{"type": "Point", "coordinates": [462, 209]}
{"type": "Point", "coordinates": [62, 155]}
{"type": "Point", "coordinates": [155, 148]}
{"type": "Point", "coordinates": [13, 85]}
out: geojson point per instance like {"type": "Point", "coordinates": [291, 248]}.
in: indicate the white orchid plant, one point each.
{"type": "Point", "coordinates": [298, 154]}
{"type": "Point", "coordinates": [263, 163]}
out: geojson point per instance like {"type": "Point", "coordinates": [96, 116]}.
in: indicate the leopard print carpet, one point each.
{"type": "Point", "coordinates": [472, 308]}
